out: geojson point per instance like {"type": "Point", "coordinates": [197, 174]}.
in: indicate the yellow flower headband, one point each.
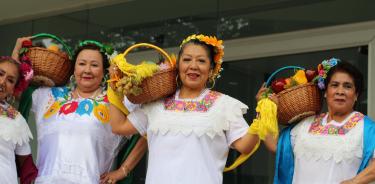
{"type": "Point", "coordinates": [218, 50]}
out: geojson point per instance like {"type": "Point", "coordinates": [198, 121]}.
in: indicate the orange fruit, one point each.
{"type": "Point", "coordinates": [54, 48]}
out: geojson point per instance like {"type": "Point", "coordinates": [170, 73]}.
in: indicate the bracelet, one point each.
{"type": "Point", "coordinates": [125, 170]}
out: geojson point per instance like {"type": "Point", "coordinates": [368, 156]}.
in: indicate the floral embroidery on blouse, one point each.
{"type": "Point", "coordinates": [64, 104]}
{"type": "Point", "coordinates": [8, 111]}
{"type": "Point", "coordinates": [330, 129]}
{"type": "Point", "coordinates": [203, 105]}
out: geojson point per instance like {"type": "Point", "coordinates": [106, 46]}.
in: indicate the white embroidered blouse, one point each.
{"type": "Point", "coordinates": [189, 139]}
{"type": "Point", "coordinates": [327, 152]}
{"type": "Point", "coordinates": [14, 139]}
{"type": "Point", "coordinates": [75, 141]}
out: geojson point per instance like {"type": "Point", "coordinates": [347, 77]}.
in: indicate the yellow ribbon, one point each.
{"type": "Point", "coordinates": [264, 124]}
{"type": "Point", "coordinates": [116, 100]}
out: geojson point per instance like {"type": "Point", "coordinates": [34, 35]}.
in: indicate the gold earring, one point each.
{"type": "Point", "coordinates": [212, 81]}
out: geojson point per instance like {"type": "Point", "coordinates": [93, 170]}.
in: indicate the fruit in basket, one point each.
{"type": "Point", "coordinates": [53, 47]}
{"type": "Point", "coordinates": [27, 43]}
{"type": "Point", "coordinates": [290, 82]}
{"type": "Point", "coordinates": [278, 85]}
{"type": "Point", "coordinates": [311, 74]}
{"type": "Point", "coordinates": [300, 77]}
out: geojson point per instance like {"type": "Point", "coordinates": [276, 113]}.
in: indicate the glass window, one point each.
{"type": "Point", "coordinates": [242, 79]}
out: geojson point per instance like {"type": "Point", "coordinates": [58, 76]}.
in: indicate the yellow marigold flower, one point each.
{"type": "Point", "coordinates": [53, 109]}
{"type": "Point", "coordinates": [102, 113]}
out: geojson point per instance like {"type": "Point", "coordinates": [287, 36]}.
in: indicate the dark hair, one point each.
{"type": "Point", "coordinates": [209, 48]}
{"type": "Point", "coordinates": [8, 59]}
{"type": "Point", "coordinates": [92, 47]}
{"type": "Point", "coordinates": [351, 70]}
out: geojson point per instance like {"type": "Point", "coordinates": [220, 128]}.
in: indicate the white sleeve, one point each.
{"type": "Point", "coordinates": [129, 105]}
{"type": "Point", "coordinates": [23, 149]}
{"type": "Point", "coordinates": [139, 120]}
{"type": "Point", "coordinates": [234, 111]}
{"type": "Point", "coordinates": [38, 97]}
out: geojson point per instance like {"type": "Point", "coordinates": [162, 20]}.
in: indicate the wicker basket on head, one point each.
{"type": "Point", "coordinates": [51, 68]}
{"type": "Point", "coordinates": [298, 102]}
{"type": "Point", "coordinates": [160, 85]}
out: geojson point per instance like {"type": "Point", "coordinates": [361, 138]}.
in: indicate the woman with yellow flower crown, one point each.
{"type": "Point", "coordinates": [75, 142]}
{"type": "Point", "coordinates": [189, 133]}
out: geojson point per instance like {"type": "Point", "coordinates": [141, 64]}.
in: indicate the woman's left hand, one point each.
{"type": "Point", "coordinates": [263, 89]}
{"type": "Point", "coordinates": [111, 177]}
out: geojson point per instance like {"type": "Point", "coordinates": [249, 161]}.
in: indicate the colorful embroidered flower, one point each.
{"type": "Point", "coordinates": [102, 113]}
{"type": "Point", "coordinates": [179, 105]}
{"type": "Point", "coordinates": [53, 109]}
{"type": "Point", "coordinates": [85, 107]}
{"type": "Point", "coordinates": [192, 106]}
{"type": "Point", "coordinates": [59, 92]}
{"type": "Point", "coordinates": [105, 99]}
{"type": "Point", "coordinates": [318, 128]}
{"type": "Point", "coordinates": [69, 108]}
{"type": "Point", "coordinates": [9, 112]}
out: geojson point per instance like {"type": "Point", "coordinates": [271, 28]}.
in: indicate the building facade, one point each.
{"type": "Point", "coordinates": [259, 37]}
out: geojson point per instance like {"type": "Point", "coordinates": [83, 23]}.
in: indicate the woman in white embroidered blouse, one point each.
{"type": "Point", "coordinates": [331, 148]}
{"type": "Point", "coordinates": [14, 131]}
{"type": "Point", "coordinates": [189, 134]}
{"type": "Point", "coordinates": [75, 141]}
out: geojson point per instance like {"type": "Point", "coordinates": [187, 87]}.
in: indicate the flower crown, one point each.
{"type": "Point", "coordinates": [25, 70]}
{"type": "Point", "coordinates": [323, 69]}
{"type": "Point", "coordinates": [218, 50]}
{"type": "Point", "coordinates": [106, 49]}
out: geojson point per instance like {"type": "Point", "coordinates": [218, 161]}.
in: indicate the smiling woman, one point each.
{"type": "Point", "coordinates": [75, 142]}
{"type": "Point", "coordinates": [14, 132]}
{"type": "Point", "coordinates": [190, 132]}
{"type": "Point", "coordinates": [339, 144]}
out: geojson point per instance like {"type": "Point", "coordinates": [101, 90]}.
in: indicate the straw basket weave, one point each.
{"type": "Point", "coordinates": [298, 102]}
{"type": "Point", "coordinates": [51, 68]}
{"type": "Point", "coordinates": [160, 85]}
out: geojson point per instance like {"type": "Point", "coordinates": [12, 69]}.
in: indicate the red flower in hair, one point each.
{"type": "Point", "coordinates": [24, 58]}
{"type": "Point", "coordinates": [27, 43]}
{"type": "Point", "coordinates": [26, 74]}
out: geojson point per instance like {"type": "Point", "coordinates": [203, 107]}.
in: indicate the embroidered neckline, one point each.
{"type": "Point", "coordinates": [64, 104]}
{"type": "Point", "coordinates": [203, 105]}
{"type": "Point", "coordinates": [8, 111]}
{"type": "Point", "coordinates": [318, 128]}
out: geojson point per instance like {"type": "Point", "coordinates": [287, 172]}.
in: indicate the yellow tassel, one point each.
{"type": "Point", "coordinates": [264, 124]}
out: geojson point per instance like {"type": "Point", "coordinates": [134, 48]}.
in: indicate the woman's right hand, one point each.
{"type": "Point", "coordinates": [115, 75]}
{"type": "Point", "coordinates": [260, 94]}
{"type": "Point", "coordinates": [18, 46]}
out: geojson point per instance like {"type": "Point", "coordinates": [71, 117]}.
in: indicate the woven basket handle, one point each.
{"type": "Point", "coordinates": [279, 70]}
{"type": "Point", "coordinates": [55, 38]}
{"type": "Point", "coordinates": [126, 52]}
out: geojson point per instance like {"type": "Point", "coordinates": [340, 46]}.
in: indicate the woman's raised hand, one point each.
{"type": "Point", "coordinates": [18, 46]}
{"type": "Point", "coordinates": [262, 92]}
